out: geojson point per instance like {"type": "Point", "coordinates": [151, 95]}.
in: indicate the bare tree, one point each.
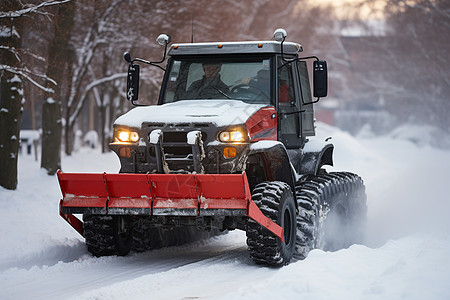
{"type": "Point", "coordinates": [404, 70]}
{"type": "Point", "coordinates": [16, 11]}
{"type": "Point", "coordinates": [10, 96]}
{"type": "Point", "coordinates": [420, 44]}
{"type": "Point", "coordinates": [106, 28]}
{"type": "Point", "coordinates": [85, 53]}
{"type": "Point", "coordinates": [12, 73]}
{"type": "Point", "coordinates": [58, 54]}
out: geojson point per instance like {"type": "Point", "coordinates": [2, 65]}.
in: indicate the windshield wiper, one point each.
{"type": "Point", "coordinates": [228, 97]}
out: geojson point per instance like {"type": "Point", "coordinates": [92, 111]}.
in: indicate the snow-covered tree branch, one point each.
{"type": "Point", "coordinates": [26, 74]}
{"type": "Point", "coordinates": [31, 9]}
{"type": "Point", "coordinates": [88, 89]}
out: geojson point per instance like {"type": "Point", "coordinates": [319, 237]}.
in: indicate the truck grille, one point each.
{"type": "Point", "coordinates": [178, 153]}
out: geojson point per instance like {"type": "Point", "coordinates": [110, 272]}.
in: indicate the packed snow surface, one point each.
{"type": "Point", "coordinates": [406, 254]}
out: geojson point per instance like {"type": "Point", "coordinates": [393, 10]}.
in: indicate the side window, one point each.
{"type": "Point", "coordinates": [172, 82]}
{"type": "Point", "coordinates": [286, 85]}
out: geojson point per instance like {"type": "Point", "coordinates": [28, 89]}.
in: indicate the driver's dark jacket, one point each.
{"type": "Point", "coordinates": [207, 88]}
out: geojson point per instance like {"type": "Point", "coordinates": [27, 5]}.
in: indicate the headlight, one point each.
{"type": "Point", "coordinates": [231, 136]}
{"type": "Point", "coordinates": [126, 136]}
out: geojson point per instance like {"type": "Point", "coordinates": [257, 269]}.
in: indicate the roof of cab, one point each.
{"type": "Point", "coordinates": [234, 48]}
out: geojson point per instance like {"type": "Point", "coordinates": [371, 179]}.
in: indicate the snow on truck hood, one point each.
{"type": "Point", "coordinates": [219, 112]}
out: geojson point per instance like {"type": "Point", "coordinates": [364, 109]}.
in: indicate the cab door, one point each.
{"type": "Point", "coordinates": [289, 107]}
{"type": "Point", "coordinates": [306, 101]}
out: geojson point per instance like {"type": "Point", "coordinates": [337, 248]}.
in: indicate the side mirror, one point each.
{"type": "Point", "coordinates": [320, 78]}
{"type": "Point", "coordinates": [127, 57]}
{"type": "Point", "coordinates": [133, 82]}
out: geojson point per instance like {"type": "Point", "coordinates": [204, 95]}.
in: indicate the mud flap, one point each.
{"type": "Point", "coordinates": [159, 195]}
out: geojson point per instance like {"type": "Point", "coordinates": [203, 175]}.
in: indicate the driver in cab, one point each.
{"type": "Point", "coordinates": [210, 86]}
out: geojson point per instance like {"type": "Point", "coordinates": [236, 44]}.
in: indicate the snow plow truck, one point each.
{"type": "Point", "coordinates": [230, 145]}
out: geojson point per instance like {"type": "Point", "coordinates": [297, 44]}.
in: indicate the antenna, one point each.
{"type": "Point", "coordinates": [192, 28]}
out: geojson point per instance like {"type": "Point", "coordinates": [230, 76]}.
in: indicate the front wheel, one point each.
{"type": "Point", "coordinates": [108, 235]}
{"type": "Point", "coordinates": [276, 201]}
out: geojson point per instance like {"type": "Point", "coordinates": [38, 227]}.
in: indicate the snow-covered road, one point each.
{"type": "Point", "coordinates": [86, 273]}
{"type": "Point", "coordinates": [406, 255]}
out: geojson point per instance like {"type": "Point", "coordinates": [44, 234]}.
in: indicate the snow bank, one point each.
{"type": "Point", "coordinates": [422, 135]}
{"type": "Point", "coordinates": [410, 268]}
{"type": "Point", "coordinates": [406, 182]}
{"type": "Point", "coordinates": [33, 232]}
{"type": "Point", "coordinates": [399, 269]}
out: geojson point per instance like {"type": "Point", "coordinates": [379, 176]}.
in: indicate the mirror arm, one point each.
{"type": "Point", "coordinates": [296, 59]}
{"type": "Point", "coordinates": [137, 104]}
{"type": "Point", "coordinates": [287, 61]}
{"type": "Point", "coordinates": [308, 57]}
{"type": "Point", "coordinates": [153, 63]}
{"type": "Point", "coordinates": [164, 57]}
{"type": "Point", "coordinates": [312, 102]}
{"type": "Point", "coordinates": [148, 63]}
{"type": "Point", "coordinates": [127, 58]}
{"type": "Point", "coordinates": [158, 66]}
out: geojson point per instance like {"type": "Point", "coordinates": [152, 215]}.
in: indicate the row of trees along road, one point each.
{"type": "Point", "coordinates": [71, 52]}
{"type": "Point", "coordinates": [407, 66]}
{"type": "Point", "coordinates": [58, 55]}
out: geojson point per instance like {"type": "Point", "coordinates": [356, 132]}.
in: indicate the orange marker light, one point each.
{"type": "Point", "coordinates": [175, 47]}
{"type": "Point", "coordinates": [229, 152]}
{"type": "Point", "coordinates": [124, 152]}
{"type": "Point", "coordinates": [220, 46]}
{"type": "Point", "coordinates": [260, 45]}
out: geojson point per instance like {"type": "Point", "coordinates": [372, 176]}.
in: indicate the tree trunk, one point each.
{"type": "Point", "coordinates": [51, 136]}
{"type": "Point", "coordinates": [11, 93]}
{"type": "Point", "coordinates": [69, 138]}
{"type": "Point", "coordinates": [51, 108]}
{"type": "Point", "coordinates": [103, 125]}
{"type": "Point", "coordinates": [10, 117]}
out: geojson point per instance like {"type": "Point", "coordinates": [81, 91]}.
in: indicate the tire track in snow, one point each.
{"type": "Point", "coordinates": [48, 256]}
{"type": "Point", "coordinates": [86, 273]}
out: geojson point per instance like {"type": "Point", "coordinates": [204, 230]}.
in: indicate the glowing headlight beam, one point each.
{"type": "Point", "coordinates": [127, 136]}
{"type": "Point", "coordinates": [231, 136]}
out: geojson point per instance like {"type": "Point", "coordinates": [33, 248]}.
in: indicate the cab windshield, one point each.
{"type": "Point", "coordinates": [244, 80]}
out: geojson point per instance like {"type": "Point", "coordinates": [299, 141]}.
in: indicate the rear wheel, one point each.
{"type": "Point", "coordinates": [108, 235]}
{"type": "Point", "coordinates": [276, 201]}
{"type": "Point", "coordinates": [332, 212]}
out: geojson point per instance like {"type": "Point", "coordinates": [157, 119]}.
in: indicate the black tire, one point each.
{"type": "Point", "coordinates": [276, 201]}
{"type": "Point", "coordinates": [108, 235]}
{"type": "Point", "coordinates": [147, 237]}
{"type": "Point", "coordinates": [332, 212]}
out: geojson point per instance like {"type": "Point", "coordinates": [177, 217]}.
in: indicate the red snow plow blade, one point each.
{"type": "Point", "coordinates": [159, 195]}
